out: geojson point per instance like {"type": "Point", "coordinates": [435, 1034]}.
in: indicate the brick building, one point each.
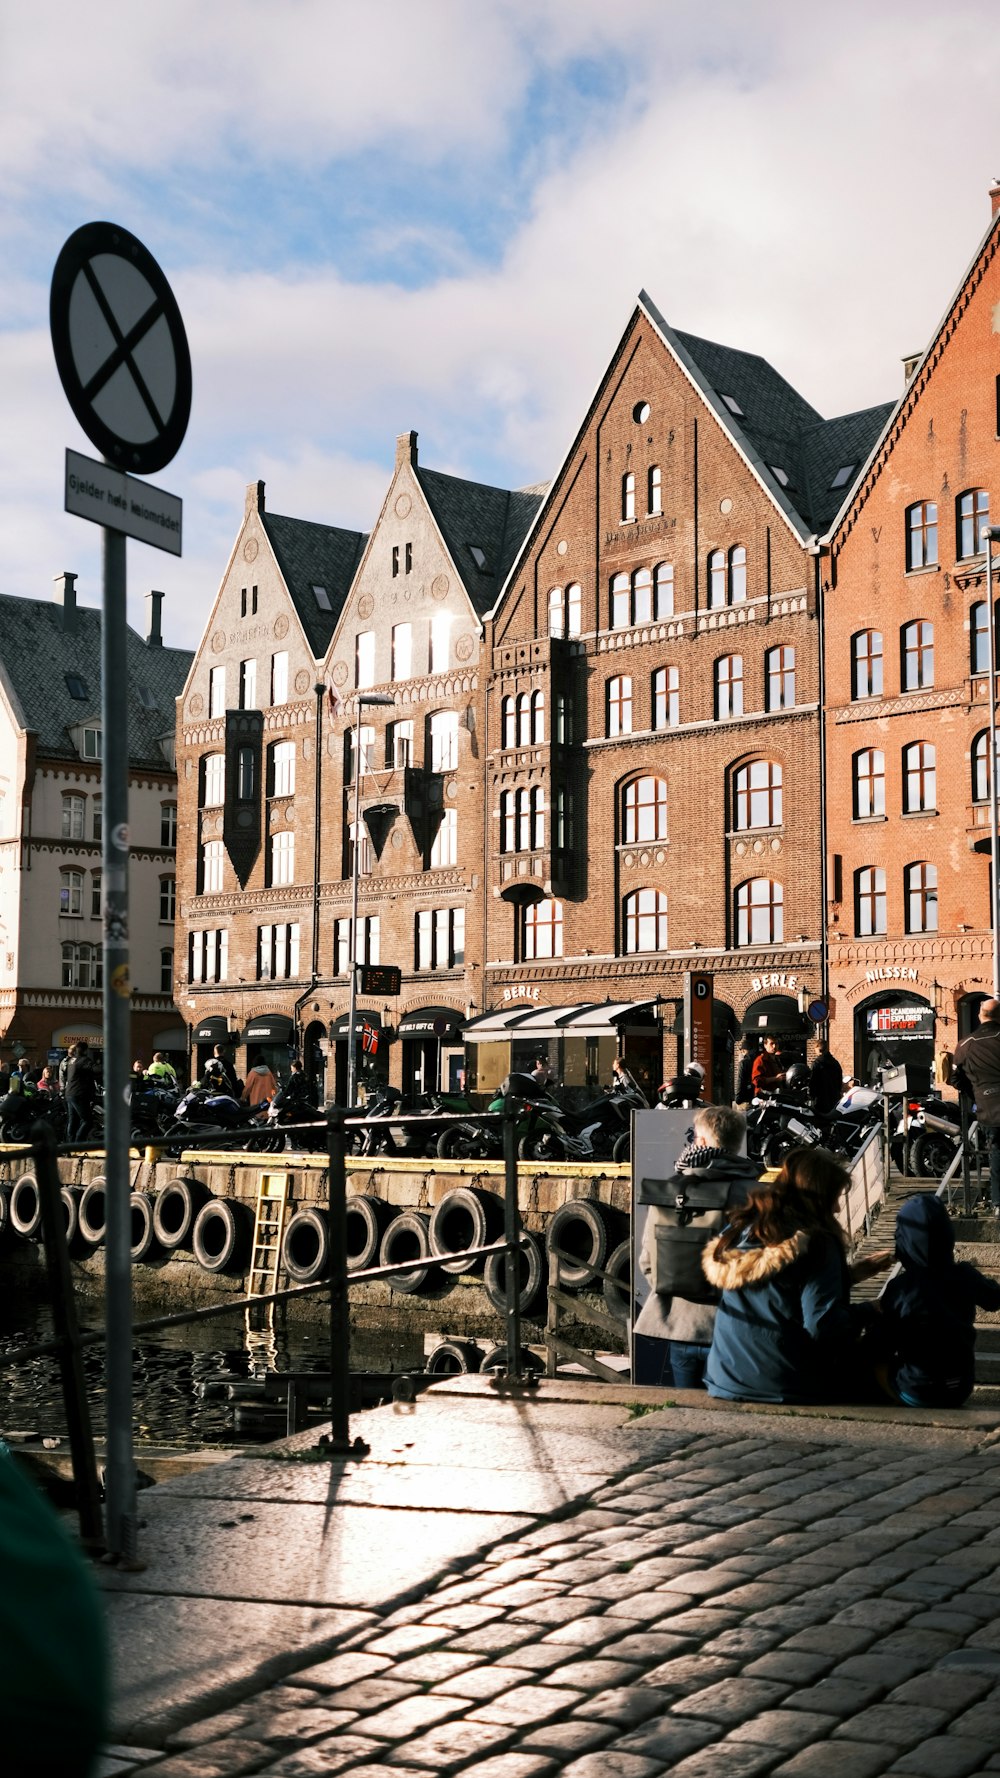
{"type": "Point", "coordinates": [907, 689]}
{"type": "Point", "coordinates": [51, 747]}
{"type": "Point", "coordinates": [652, 729]}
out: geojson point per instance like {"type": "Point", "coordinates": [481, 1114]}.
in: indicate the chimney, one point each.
{"type": "Point", "coordinates": [255, 498]}
{"type": "Point", "coordinates": [406, 449]}
{"type": "Point", "coordinates": [66, 596]}
{"type": "Point", "coordinates": [154, 634]}
{"type": "Point", "coordinates": [995, 197]}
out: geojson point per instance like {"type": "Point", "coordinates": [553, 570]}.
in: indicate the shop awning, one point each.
{"type": "Point", "coordinates": [603, 1018]}
{"type": "Point", "coordinates": [338, 1027]}
{"type": "Point", "coordinates": [214, 1030]}
{"type": "Point", "coordinates": [270, 1027]}
{"type": "Point", "coordinates": [777, 1016]}
{"type": "Point", "coordinates": [174, 1039]}
{"type": "Point", "coordinates": [431, 1021]}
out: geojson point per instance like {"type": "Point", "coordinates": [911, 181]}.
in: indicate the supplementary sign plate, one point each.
{"type": "Point", "coordinates": [123, 503]}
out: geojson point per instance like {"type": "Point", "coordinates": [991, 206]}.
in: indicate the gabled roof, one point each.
{"type": "Point", "coordinates": [473, 516]}
{"type": "Point", "coordinates": [311, 555]}
{"type": "Point", "coordinates": [831, 449]}
{"type": "Point", "coordinates": [37, 654]}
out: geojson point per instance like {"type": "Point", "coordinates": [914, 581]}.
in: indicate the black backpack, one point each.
{"type": "Point", "coordinates": [695, 1213]}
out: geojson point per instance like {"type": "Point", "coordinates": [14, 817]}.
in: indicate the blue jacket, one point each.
{"type": "Point", "coordinates": [784, 1328]}
{"type": "Point", "coordinates": [929, 1309]}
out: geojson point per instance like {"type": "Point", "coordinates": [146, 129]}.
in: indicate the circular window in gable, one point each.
{"type": "Point", "coordinates": [640, 413]}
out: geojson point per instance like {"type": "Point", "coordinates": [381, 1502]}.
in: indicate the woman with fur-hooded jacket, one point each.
{"type": "Point", "coordinates": [785, 1330]}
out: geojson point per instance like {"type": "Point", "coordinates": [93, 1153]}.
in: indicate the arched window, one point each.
{"type": "Point", "coordinates": [779, 678]}
{"type": "Point", "coordinates": [82, 966]}
{"type": "Point", "coordinates": [654, 502]}
{"type": "Point", "coordinates": [565, 610]}
{"type": "Point", "coordinates": [574, 608]}
{"type": "Point", "coordinates": [508, 719]}
{"type": "Point", "coordinates": [919, 778]}
{"type": "Point", "coordinates": [917, 655]}
{"type": "Point", "coordinates": [71, 893]}
{"type": "Point", "coordinates": [73, 813]}
{"type": "Point", "coordinates": [981, 766]}
{"type": "Point", "coordinates": [869, 902]}
{"type": "Point", "coordinates": [737, 574]}
{"type": "Point", "coordinates": [524, 719]}
{"type": "Point", "coordinates": [866, 664]}
{"type": "Point", "coordinates": [979, 638]}
{"type": "Point", "coordinates": [666, 697]}
{"type": "Point", "coordinates": [538, 718]}
{"type": "Point", "coordinates": [921, 535]}
{"type": "Point", "coordinates": [621, 602]}
{"type": "Point", "coordinates": [644, 922]}
{"type": "Point", "coordinates": [920, 891]}
{"type": "Point", "coordinates": [642, 596]}
{"type": "Point", "coordinates": [211, 868]}
{"type": "Point", "coordinates": [444, 740]}
{"type": "Point", "coordinates": [628, 497]}
{"type": "Point", "coordinates": [542, 930]}
{"type": "Point", "coordinates": [716, 579]}
{"type": "Point", "coordinates": [282, 768]}
{"type": "Point", "coordinates": [869, 783]}
{"type": "Point", "coordinates": [522, 819]}
{"type": "Point", "coordinates": [728, 687]}
{"type": "Point", "coordinates": [758, 794]}
{"type": "Point", "coordinates": [557, 612]}
{"type": "Point", "coordinates": [168, 900]}
{"type": "Point", "coordinates": [619, 706]}
{"type": "Point", "coordinates": [663, 578]}
{"type": "Point", "coordinates": [760, 912]}
{"type": "Point", "coordinates": [213, 780]}
{"type": "Point", "coordinates": [972, 512]}
{"type": "Point", "coordinates": [644, 811]}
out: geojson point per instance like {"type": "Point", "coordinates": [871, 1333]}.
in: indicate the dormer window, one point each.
{"type": "Point", "coordinates": [77, 687]}
{"type": "Point", "coordinates": [147, 697]}
{"type": "Point", "coordinates": [93, 743]}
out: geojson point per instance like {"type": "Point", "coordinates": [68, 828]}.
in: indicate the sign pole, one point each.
{"type": "Point", "coordinates": [121, 1508]}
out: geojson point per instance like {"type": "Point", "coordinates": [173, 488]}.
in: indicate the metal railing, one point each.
{"type": "Point", "coordinates": [69, 1341]}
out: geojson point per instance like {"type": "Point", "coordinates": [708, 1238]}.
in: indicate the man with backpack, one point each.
{"type": "Point", "coordinates": [686, 1212]}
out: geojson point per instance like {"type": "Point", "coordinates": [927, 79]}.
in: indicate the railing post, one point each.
{"type": "Point", "coordinates": [81, 1437]}
{"type": "Point", "coordinates": [512, 1235]}
{"type": "Point", "coordinates": [963, 1113]}
{"type": "Point", "coordinates": [340, 1330]}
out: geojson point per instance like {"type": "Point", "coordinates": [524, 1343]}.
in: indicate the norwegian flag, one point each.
{"type": "Point", "coordinates": [333, 703]}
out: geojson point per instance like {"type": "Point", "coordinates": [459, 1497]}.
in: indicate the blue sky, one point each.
{"type": "Point", "coordinates": [436, 214]}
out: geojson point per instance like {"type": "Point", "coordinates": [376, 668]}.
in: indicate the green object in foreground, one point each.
{"type": "Point", "coordinates": [54, 1672]}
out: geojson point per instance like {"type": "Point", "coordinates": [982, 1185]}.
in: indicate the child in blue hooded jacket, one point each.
{"type": "Point", "coordinates": [929, 1310]}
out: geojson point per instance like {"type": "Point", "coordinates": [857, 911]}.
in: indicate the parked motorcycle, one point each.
{"type": "Point", "coordinates": [591, 1133]}
{"type": "Point", "coordinates": [472, 1140]}
{"type": "Point", "coordinates": [206, 1116]}
{"type": "Point", "coordinates": [384, 1134]}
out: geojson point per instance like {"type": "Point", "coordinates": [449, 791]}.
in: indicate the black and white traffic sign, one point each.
{"type": "Point", "coordinates": [120, 347]}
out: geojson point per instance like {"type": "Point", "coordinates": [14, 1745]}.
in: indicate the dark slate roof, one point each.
{"type": "Point", "coordinates": [776, 427]}
{"type": "Point", "coordinates": [471, 515]}
{"type": "Point", "coordinates": [315, 555]}
{"type": "Point", "coordinates": [36, 654]}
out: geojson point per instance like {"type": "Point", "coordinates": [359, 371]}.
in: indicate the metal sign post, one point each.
{"type": "Point", "coordinates": [123, 360]}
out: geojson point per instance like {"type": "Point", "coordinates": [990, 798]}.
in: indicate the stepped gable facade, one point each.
{"type": "Point", "coordinates": [51, 747]}
{"type": "Point", "coordinates": [652, 726]}
{"type": "Point", "coordinates": [411, 631]}
{"type": "Point", "coordinates": [907, 695]}
{"type": "Point", "coordinates": [253, 764]}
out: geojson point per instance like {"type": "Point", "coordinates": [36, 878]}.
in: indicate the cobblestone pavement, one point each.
{"type": "Point", "coordinates": [737, 1604]}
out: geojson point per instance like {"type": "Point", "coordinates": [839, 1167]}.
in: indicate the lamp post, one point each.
{"type": "Point", "coordinates": [364, 700]}
{"type": "Point", "coordinates": [987, 537]}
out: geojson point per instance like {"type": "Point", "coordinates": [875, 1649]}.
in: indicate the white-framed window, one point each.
{"type": "Point", "coordinates": [541, 930]}
{"type": "Point", "coordinates": [439, 938]}
{"type": "Point", "coordinates": [440, 639]}
{"type": "Point", "coordinates": [728, 687]}
{"type": "Point", "coordinates": [283, 857]}
{"type": "Point", "coordinates": [95, 895]}
{"type": "Point", "coordinates": [522, 819]}
{"type": "Point", "coordinates": [920, 888]}
{"type": "Point", "coordinates": [93, 743]}
{"type": "Point", "coordinates": [666, 690]}
{"type": "Point", "coordinates": [866, 664]}
{"type": "Point", "coordinates": [870, 910]}
{"type": "Point", "coordinates": [868, 775]}
{"type": "Point", "coordinates": [166, 971]}
{"type": "Point", "coordinates": [402, 651]}
{"type": "Point", "coordinates": [279, 677]}
{"type": "Point", "coordinates": [217, 692]}
{"type": "Point", "coordinates": [399, 745]}
{"type": "Point", "coordinates": [566, 609]}
{"type": "Point", "coordinates": [364, 659]}
{"type": "Point", "coordinates": [168, 825]}
{"type": "Point", "coordinates": [758, 795]}
{"type": "Point", "coordinates": [248, 685]}
{"type": "Point", "coordinates": [71, 893]}
{"type": "Point", "coordinates": [214, 780]}
{"type": "Point", "coordinates": [618, 706]}
{"type": "Point", "coordinates": [359, 832]}
{"type": "Point", "coordinates": [212, 853]}
{"type": "Point", "coordinates": [917, 655]}
{"type": "Point", "coordinates": [779, 678]}
{"type": "Point", "coordinates": [760, 912]}
{"type": "Point", "coordinates": [365, 951]}
{"type": "Point", "coordinates": [644, 810]}
{"type": "Point", "coordinates": [208, 955]}
{"type": "Point", "coordinates": [278, 952]}
{"type": "Point", "coordinates": [73, 816]}
{"type": "Point", "coordinates": [644, 926]}
{"type": "Point", "coordinates": [444, 740]}
{"type": "Point", "coordinates": [628, 497]}
{"type": "Point", "coordinates": [366, 737]}
{"type": "Point", "coordinates": [97, 818]}
{"type": "Point", "coordinates": [283, 768]}
{"type": "Point", "coordinates": [168, 899]}
{"type": "Point", "coordinates": [919, 778]}
{"type": "Point", "coordinates": [444, 849]}
{"type": "Point", "coordinates": [654, 490]}
{"type": "Point", "coordinates": [82, 966]}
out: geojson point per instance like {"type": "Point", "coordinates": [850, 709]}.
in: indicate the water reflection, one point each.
{"type": "Point", "coordinates": [180, 1374]}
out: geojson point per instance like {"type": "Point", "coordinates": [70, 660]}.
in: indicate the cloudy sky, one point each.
{"type": "Point", "coordinates": [380, 215]}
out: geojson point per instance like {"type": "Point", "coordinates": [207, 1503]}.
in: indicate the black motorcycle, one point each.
{"type": "Point", "coordinates": [600, 1131]}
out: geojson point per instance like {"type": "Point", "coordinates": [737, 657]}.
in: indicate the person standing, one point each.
{"type": "Point", "coordinates": [826, 1080]}
{"type": "Point", "coordinates": [81, 1091]}
{"type": "Point", "coordinates": [977, 1064]}
{"type": "Point", "coordinates": [261, 1085]}
{"type": "Point", "coordinates": [221, 1064]}
{"type": "Point", "coordinates": [767, 1072]}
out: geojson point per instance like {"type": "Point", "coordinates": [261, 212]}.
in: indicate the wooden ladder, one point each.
{"type": "Point", "coordinates": [269, 1226]}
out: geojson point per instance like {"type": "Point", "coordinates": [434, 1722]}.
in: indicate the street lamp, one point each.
{"type": "Point", "coordinates": [989, 535]}
{"type": "Point", "coordinates": [364, 700]}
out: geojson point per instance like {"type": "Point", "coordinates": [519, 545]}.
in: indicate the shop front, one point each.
{"type": "Point", "coordinates": [433, 1051]}
{"type": "Point", "coordinates": [894, 1030]}
{"type": "Point", "coordinates": [63, 1039]}
{"type": "Point", "coordinates": [371, 1053]}
{"type": "Point", "coordinates": [204, 1038]}
{"type": "Point", "coordinates": [578, 1043]}
{"type": "Point", "coordinates": [778, 1016]}
{"type": "Point", "coordinates": [270, 1037]}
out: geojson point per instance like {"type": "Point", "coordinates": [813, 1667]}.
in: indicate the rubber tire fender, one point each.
{"type": "Point", "coordinates": [407, 1238]}
{"type": "Point", "coordinates": [174, 1210]}
{"type": "Point", "coordinates": [368, 1218]}
{"type": "Point", "coordinates": [222, 1235]}
{"type": "Point", "coordinates": [531, 1267]}
{"type": "Point", "coordinates": [4, 1212]}
{"type": "Point", "coordinates": [579, 1228]}
{"type": "Point", "coordinates": [143, 1243]}
{"type": "Point", "coordinates": [305, 1245]}
{"type": "Point", "coordinates": [26, 1208]}
{"type": "Point", "coordinates": [465, 1217]}
{"type": "Point", "coordinates": [92, 1212]}
{"type": "Point", "coordinates": [497, 1361]}
{"type": "Point", "coordinates": [618, 1288]}
{"type": "Point", "coordinates": [70, 1197]}
{"type": "Point", "coordinates": [454, 1358]}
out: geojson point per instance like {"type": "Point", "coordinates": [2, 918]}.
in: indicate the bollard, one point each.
{"type": "Point", "coordinates": [512, 1235]}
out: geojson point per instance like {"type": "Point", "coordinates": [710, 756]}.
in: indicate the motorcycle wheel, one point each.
{"type": "Point", "coordinates": [931, 1155]}
{"type": "Point", "coordinates": [622, 1150]}
{"type": "Point", "coordinates": [776, 1147]}
{"type": "Point", "coordinates": [542, 1146]}
{"type": "Point", "coordinates": [460, 1142]}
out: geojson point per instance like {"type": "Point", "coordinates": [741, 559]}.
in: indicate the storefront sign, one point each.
{"type": "Point", "coordinates": [759, 983]}
{"type": "Point", "coordinates": [901, 1021]}
{"type": "Point", "coordinates": [698, 998]}
{"type": "Point", "coordinates": [894, 973]}
{"type": "Point", "coordinates": [520, 993]}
